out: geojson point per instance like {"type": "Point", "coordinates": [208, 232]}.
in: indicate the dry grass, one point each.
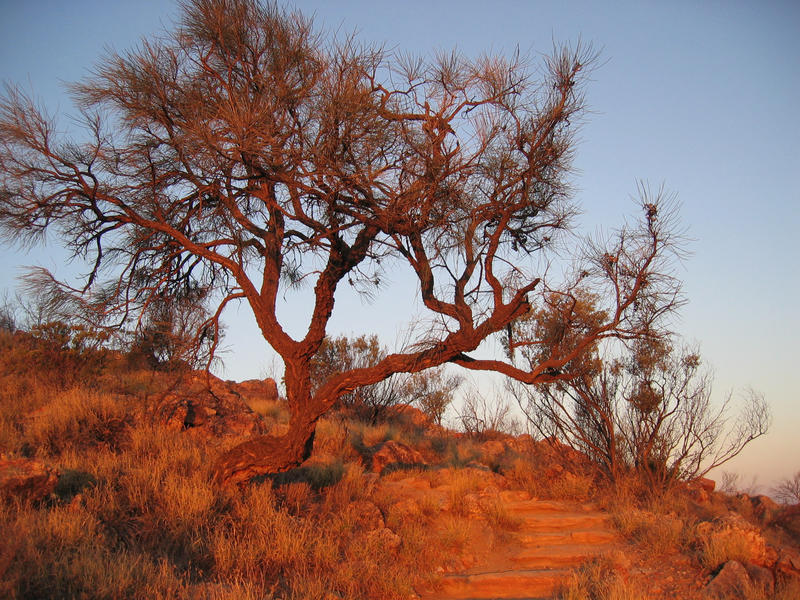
{"type": "Point", "coordinates": [529, 474]}
{"type": "Point", "coordinates": [597, 579]}
{"type": "Point", "coordinates": [76, 418]}
{"type": "Point", "coordinates": [658, 533]}
{"type": "Point", "coordinates": [716, 550]}
{"type": "Point", "coordinates": [273, 411]}
{"type": "Point", "coordinates": [135, 514]}
{"type": "Point", "coordinates": [453, 534]}
{"type": "Point", "coordinates": [461, 488]}
{"type": "Point", "coordinates": [572, 486]}
{"type": "Point", "coordinates": [498, 516]}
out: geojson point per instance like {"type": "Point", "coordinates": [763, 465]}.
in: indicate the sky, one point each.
{"type": "Point", "coordinates": [700, 97]}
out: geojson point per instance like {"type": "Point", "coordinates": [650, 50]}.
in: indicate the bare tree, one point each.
{"type": "Point", "coordinates": [787, 491]}
{"type": "Point", "coordinates": [243, 153]}
{"type": "Point", "coordinates": [482, 416]}
{"type": "Point", "coordinates": [649, 410]}
{"type": "Point", "coordinates": [9, 317]}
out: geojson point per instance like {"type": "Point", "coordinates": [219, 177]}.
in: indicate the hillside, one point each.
{"type": "Point", "coordinates": [107, 493]}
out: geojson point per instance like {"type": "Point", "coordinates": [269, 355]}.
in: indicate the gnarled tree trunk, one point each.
{"type": "Point", "coordinates": [266, 454]}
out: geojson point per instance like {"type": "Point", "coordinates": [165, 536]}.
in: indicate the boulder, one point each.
{"type": "Point", "coordinates": [369, 515]}
{"type": "Point", "coordinates": [407, 507]}
{"type": "Point", "coordinates": [701, 489]}
{"type": "Point", "coordinates": [721, 530]}
{"type": "Point", "coordinates": [491, 451]}
{"type": "Point", "coordinates": [523, 444]}
{"type": "Point", "coordinates": [731, 582]}
{"type": "Point", "coordinates": [26, 479]}
{"type": "Point", "coordinates": [706, 484]}
{"type": "Point", "coordinates": [208, 412]}
{"type": "Point", "coordinates": [409, 414]}
{"type": "Point", "coordinates": [385, 538]}
{"type": "Point", "coordinates": [762, 578]}
{"type": "Point", "coordinates": [787, 563]}
{"type": "Point", "coordinates": [260, 389]}
{"type": "Point", "coordinates": [765, 508]}
{"type": "Point", "coordinates": [394, 454]}
{"type": "Point", "coordinates": [553, 451]}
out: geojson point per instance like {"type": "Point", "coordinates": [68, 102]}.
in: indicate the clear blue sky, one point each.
{"type": "Point", "coordinates": [700, 96]}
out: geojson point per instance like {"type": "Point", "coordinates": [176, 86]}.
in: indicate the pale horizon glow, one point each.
{"type": "Point", "coordinates": [701, 97]}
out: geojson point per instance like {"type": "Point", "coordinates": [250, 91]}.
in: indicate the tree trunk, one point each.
{"type": "Point", "coordinates": [266, 454]}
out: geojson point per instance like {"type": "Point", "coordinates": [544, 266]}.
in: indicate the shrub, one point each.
{"type": "Point", "coordinates": [659, 533]}
{"type": "Point", "coordinates": [77, 418]}
{"type": "Point", "coordinates": [716, 550]}
{"type": "Point", "coordinates": [787, 491]}
{"type": "Point", "coordinates": [597, 579]}
{"type": "Point", "coordinates": [498, 516]}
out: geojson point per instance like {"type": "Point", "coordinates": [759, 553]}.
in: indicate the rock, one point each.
{"type": "Point", "coordinates": [407, 507]}
{"type": "Point", "coordinates": [700, 489]}
{"type": "Point", "coordinates": [26, 479]}
{"type": "Point", "coordinates": [788, 518]}
{"type": "Point", "coordinates": [385, 538]}
{"type": "Point", "coordinates": [410, 415]}
{"type": "Point", "coordinates": [761, 577]}
{"type": "Point", "coordinates": [370, 517]}
{"type": "Point", "coordinates": [394, 453]}
{"type": "Point", "coordinates": [735, 526]}
{"type": "Point", "coordinates": [523, 444]}
{"type": "Point", "coordinates": [731, 582]}
{"type": "Point", "coordinates": [491, 451]}
{"type": "Point", "coordinates": [787, 563]}
{"type": "Point", "coordinates": [260, 389]}
{"type": "Point", "coordinates": [765, 508]}
{"type": "Point", "coordinates": [706, 484]}
{"type": "Point", "coordinates": [208, 412]}
{"type": "Point", "coordinates": [552, 451]}
{"type": "Point", "coordinates": [478, 466]}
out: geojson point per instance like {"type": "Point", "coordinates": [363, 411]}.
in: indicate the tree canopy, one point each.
{"type": "Point", "coordinates": [245, 151]}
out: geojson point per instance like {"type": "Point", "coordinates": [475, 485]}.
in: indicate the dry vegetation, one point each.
{"type": "Point", "coordinates": [135, 513]}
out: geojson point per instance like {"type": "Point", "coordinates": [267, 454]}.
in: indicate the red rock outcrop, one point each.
{"type": "Point", "coordinates": [394, 453]}
{"type": "Point", "coordinates": [734, 527]}
{"type": "Point", "coordinates": [26, 479]}
{"type": "Point", "coordinates": [209, 411]}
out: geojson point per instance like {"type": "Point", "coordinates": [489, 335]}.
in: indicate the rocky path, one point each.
{"type": "Point", "coordinates": [551, 539]}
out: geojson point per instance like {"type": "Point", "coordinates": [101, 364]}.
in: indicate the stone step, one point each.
{"type": "Point", "coordinates": [558, 538]}
{"type": "Point", "coordinates": [558, 557]}
{"type": "Point", "coordinates": [548, 506]}
{"type": "Point", "coordinates": [562, 522]}
{"type": "Point", "coordinates": [518, 585]}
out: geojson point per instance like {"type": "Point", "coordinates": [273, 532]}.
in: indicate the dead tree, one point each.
{"type": "Point", "coordinates": [243, 152]}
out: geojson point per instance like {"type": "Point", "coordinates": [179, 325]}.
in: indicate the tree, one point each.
{"type": "Point", "coordinates": [648, 410]}
{"type": "Point", "coordinates": [167, 333]}
{"type": "Point", "coordinates": [342, 354]}
{"type": "Point", "coordinates": [432, 390]}
{"type": "Point", "coordinates": [244, 153]}
{"type": "Point", "coordinates": [787, 490]}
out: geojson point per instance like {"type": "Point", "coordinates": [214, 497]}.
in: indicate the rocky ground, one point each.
{"type": "Point", "coordinates": [503, 533]}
